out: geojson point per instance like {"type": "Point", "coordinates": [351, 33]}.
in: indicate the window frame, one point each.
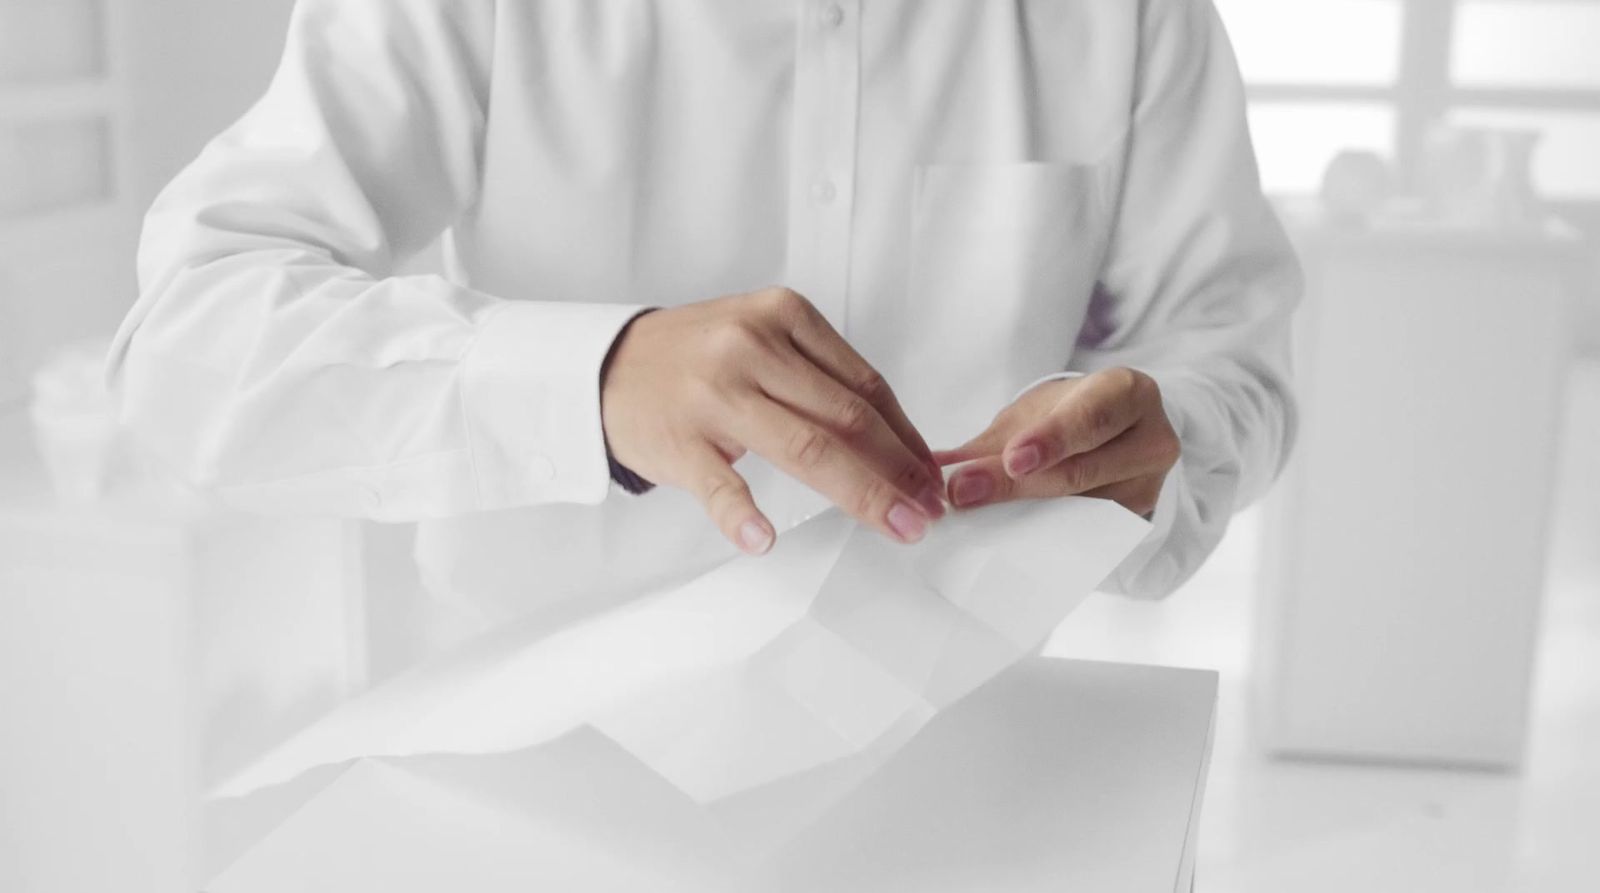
{"type": "Point", "coordinates": [1425, 92]}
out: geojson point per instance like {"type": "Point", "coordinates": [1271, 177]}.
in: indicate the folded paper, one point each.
{"type": "Point", "coordinates": [1057, 775]}
{"type": "Point", "coordinates": [839, 644]}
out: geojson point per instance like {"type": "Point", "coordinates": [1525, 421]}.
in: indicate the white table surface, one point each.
{"type": "Point", "coordinates": [1059, 775]}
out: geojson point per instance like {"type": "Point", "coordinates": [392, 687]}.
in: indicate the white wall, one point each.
{"type": "Point", "coordinates": [194, 67]}
{"type": "Point", "coordinates": [186, 68]}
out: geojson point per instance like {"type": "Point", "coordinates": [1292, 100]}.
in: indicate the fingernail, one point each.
{"type": "Point", "coordinates": [971, 488]}
{"type": "Point", "coordinates": [907, 523]}
{"type": "Point", "coordinates": [755, 538]}
{"type": "Point", "coordinates": [1024, 460]}
{"type": "Point", "coordinates": [930, 501]}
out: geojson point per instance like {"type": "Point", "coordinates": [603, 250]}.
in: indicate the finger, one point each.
{"type": "Point", "coordinates": [1102, 407]}
{"type": "Point", "coordinates": [946, 458]}
{"type": "Point", "coordinates": [812, 393]}
{"type": "Point", "coordinates": [822, 460]}
{"type": "Point", "coordinates": [1138, 453]}
{"type": "Point", "coordinates": [820, 343]}
{"type": "Point", "coordinates": [989, 443]}
{"type": "Point", "coordinates": [983, 482]}
{"type": "Point", "coordinates": [727, 501]}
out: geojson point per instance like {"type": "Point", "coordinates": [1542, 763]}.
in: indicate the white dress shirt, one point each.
{"type": "Point", "coordinates": [977, 194]}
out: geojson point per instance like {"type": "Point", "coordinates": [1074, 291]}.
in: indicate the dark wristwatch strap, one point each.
{"type": "Point", "coordinates": [626, 478]}
{"type": "Point", "coordinates": [622, 475]}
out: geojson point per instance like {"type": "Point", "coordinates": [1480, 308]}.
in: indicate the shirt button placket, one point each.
{"type": "Point", "coordinates": [827, 83]}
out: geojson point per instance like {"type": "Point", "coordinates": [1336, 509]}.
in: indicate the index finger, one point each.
{"type": "Point", "coordinates": [1089, 416]}
{"type": "Point", "coordinates": [819, 342]}
{"type": "Point", "coordinates": [820, 459]}
{"type": "Point", "coordinates": [800, 385]}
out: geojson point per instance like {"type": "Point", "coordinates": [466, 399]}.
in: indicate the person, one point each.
{"type": "Point", "coordinates": [766, 255]}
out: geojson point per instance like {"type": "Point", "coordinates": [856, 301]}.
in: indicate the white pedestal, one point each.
{"type": "Point", "coordinates": [1406, 542]}
{"type": "Point", "coordinates": [144, 646]}
{"type": "Point", "coordinates": [1059, 775]}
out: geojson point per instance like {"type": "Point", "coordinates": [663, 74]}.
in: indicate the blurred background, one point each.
{"type": "Point", "coordinates": [1408, 629]}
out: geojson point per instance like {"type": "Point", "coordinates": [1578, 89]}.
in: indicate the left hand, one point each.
{"type": "Point", "coordinates": [1105, 435]}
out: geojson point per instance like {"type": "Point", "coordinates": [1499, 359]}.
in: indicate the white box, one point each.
{"type": "Point", "coordinates": [1058, 775]}
{"type": "Point", "coordinates": [144, 648]}
{"type": "Point", "coordinates": [1405, 546]}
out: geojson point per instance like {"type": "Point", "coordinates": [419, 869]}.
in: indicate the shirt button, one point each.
{"type": "Point", "coordinates": [832, 16]}
{"type": "Point", "coordinates": [540, 468]}
{"type": "Point", "coordinates": [824, 191]}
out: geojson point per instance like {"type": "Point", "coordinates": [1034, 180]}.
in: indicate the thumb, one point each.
{"type": "Point", "coordinates": [990, 443]}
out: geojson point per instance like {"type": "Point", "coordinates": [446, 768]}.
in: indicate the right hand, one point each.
{"type": "Point", "coordinates": [691, 389]}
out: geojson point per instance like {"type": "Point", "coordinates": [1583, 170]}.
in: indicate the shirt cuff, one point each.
{"type": "Point", "coordinates": [1168, 554]}
{"type": "Point", "coordinates": [530, 390]}
{"type": "Point", "coordinates": [1154, 568]}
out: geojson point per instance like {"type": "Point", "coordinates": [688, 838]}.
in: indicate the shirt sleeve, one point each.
{"type": "Point", "coordinates": [1198, 289]}
{"type": "Point", "coordinates": [275, 357]}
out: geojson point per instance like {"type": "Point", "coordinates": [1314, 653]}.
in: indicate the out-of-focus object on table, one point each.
{"type": "Point", "coordinates": [13, 392]}
{"type": "Point", "coordinates": [1058, 775]}
{"type": "Point", "coordinates": [1405, 552]}
{"type": "Point", "coordinates": [75, 421]}
{"type": "Point", "coordinates": [147, 642]}
{"type": "Point", "coordinates": [1356, 185]}
{"type": "Point", "coordinates": [1481, 176]}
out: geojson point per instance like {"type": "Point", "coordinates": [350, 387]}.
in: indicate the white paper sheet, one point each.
{"type": "Point", "coordinates": [1057, 775]}
{"type": "Point", "coordinates": [837, 645]}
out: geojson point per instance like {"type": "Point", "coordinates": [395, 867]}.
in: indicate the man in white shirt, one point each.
{"type": "Point", "coordinates": [966, 199]}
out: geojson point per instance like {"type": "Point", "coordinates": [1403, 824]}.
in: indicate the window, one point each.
{"type": "Point", "coordinates": [50, 40]}
{"type": "Point", "coordinates": [53, 162]}
{"type": "Point", "coordinates": [55, 108]}
{"type": "Point", "coordinates": [1527, 44]}
{"type": "Point", "coordinates": [65, 224]}
{"type": "Point", "coordinates": [1301, 42]}
{"type": "Point", "coordinates": [1296, 140]}
{"type": "Point", "coordinates": [1325, 75]}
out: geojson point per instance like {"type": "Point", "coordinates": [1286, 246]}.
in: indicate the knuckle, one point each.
{"type": "Point", "coordinates": [1008, 418]}
{"type": "Point", "coordinates": [911, 477]}
{"type": "Point", "coordinates": [1146, 388]}
{"type": "Point", "coordinates": [1075, 476]}
{"type": "Point", "coordinates": [721, 490]}
{"type": "Point", "coordinates": [872, 387]}
{"type": "Point", "coordinates": [874, 499]}
{"type": "Point", "coordinates": [1170, 450]}
{"type": "Point", "coordinates": [1126, 380]}
{"type": "Point", "coordinates": [702, 395]}
{"type": "Point", "coordinates": [1005, 489]}
{"type": "Point", "coordinates": [855, 417]}
{"type": "Point", "coordinates": [1100, 417]}
{"type": "Point", "coordinates": [786, 303]}
{"type": "Point", "coordinates": [1052, 441]}
{"type": "Point", "coordinates": [1144, 501]}
{"type": "Point", "coordinates": [809, 447]}
{"type": "Point", "coordinates": [734, 342]}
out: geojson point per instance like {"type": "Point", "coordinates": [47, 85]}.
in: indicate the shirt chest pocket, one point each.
{"type": "Point", "coordinates": [1003, 262]}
